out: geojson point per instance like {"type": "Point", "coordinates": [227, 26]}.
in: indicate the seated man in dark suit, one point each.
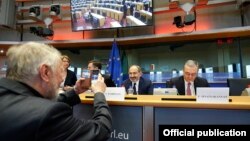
{"type": "Point", "coordinates": [187, 84]}
{"type": "Point", "coordinates": [139, 84]}
{"type": "Point", "coordinates": [96, 65]}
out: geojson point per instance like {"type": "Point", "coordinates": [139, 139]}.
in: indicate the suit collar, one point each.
{"type": "Point", "coordinates": [18, 87]}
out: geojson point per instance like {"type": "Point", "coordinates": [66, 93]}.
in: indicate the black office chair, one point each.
{"type": "Point", "coordinates": [146, 5]}
{"type": "Point", "coordinates": [98, 12]}
{"type": "Point", "coordinates": [237, 85]}
{"type": "Point", "coordinates": [132, 9]}
{"type": "Point", "coordinates": [143, 18]}
{"type": "Point", "coordinates": [95, 23]}
{"type": "Point", "coordinates": [137, 15]}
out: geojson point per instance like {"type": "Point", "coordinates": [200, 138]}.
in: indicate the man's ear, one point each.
{"type": "Point", "coordinates": [44, 71]}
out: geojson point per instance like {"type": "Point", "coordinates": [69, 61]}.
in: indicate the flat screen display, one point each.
{"type": "Point", "coordinates": [104, 14]}
{"type": "Point", "coordinates": [209, 70]}
{"type": "Point", "coordinates": [230, 68]}
{"type": "Point", "coordinates": [248, 71]}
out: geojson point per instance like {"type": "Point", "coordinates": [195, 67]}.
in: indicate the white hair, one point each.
{"type": "Point", "coordinates": [192, 64]}
{"type": "Point", "coordinates": [24, 60]}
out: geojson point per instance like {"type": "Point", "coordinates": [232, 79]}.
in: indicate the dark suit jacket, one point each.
{"type": "Point", "coordinates": [179, 83]}
{"type": "Point", "coordinates": [27, 116]}
{"type": "Point", "coordinates": [70, 79]}
{"type": "Point", "coordinates": [145, 86]}
{"type": "Point", "coordinates": [108, 81]}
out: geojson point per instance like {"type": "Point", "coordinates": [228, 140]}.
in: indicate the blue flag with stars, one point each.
{"type": "Point", "coordinates": [114, 67]}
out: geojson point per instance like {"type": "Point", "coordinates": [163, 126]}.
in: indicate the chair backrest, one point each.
{"type": "Point", "coordinates": [237, 85]}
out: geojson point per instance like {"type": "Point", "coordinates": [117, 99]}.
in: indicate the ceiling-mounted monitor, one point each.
{"type": "Point", "coordinates": [105, 14]}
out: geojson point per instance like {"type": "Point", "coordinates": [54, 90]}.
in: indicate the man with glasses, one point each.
{"type": "Point", "coordinates": [187, 84]}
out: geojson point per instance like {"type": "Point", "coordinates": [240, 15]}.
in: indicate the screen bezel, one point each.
{"type": "Point", "coordinates": [94, 74]}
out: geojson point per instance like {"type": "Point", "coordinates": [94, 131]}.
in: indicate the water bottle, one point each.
{"type": "Point", "coordinates": [174, 86]}
{"type": "Point", "coordinates": [130, 90]}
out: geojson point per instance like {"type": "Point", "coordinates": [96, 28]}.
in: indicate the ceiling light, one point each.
{"type": "Point", "coordinates": [187, 7]}
{"type": "Point", "coordinates": [48, 21]}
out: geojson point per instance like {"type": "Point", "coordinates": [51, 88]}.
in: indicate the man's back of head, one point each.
{"type": "Point", "coordinates": [24, 60]}
{"type": "Point", "coordinates": [94, 65]}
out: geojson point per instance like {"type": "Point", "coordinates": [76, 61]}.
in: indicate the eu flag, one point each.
{"type": "Point", "coordinates": [114, 66]}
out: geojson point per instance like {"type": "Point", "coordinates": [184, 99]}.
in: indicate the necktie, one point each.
{"type": "Point", "coordinates": [134, 88]}
{"type": "Point", "coordinates": [189, 89]}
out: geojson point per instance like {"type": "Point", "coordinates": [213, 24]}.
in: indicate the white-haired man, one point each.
{"type": "Point", "coordinates": [28, 113]}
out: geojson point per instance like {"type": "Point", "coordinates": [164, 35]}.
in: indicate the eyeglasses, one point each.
{"type": "Point", "coordinates": [190, 74]}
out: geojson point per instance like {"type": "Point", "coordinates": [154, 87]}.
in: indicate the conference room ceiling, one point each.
{"type": "Point", "coordinates": [160, 6]}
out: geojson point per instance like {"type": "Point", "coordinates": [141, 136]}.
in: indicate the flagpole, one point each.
{"type": "Point", "coordinates": [117, 33]}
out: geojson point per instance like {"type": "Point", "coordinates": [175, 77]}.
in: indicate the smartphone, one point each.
{"type": "Point", "coordinates": [85, 73]}
{"type": "Point", "coordinates": [95, 72]}
{"type": "Point", "coordinates": [94, 76]}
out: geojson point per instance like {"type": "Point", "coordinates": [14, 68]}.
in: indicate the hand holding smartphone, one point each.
{"type": "Point", "coordinates": [88, 78]}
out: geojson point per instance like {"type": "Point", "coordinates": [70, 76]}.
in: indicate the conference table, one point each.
{"type": "Point", "coordinates": [138, 117]}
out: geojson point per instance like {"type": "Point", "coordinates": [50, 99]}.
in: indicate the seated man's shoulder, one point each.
{"type": "Point", "coordinates": [178, 78]}
{"type": "Point", "coordinates": [201, 78]}
{"type": "Point", "coordinates": [126, 81]}
{"type": "Point", "coordinates": [106, 76]}
{"type": "Point", "coordinates": [146, 80]}
{"type": "Point", "coordinates": [202, 81]}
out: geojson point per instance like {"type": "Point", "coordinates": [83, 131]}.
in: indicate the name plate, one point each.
{"type": "Point", "coordinates": [115, 93]}
{"type": "Point", "coordinates": [166, 91]}
{"type": "Point", "coordinates": [212, 95]}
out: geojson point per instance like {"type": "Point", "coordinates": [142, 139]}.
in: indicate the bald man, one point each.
{"type": "Point", "coordinates": [141, 86]}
